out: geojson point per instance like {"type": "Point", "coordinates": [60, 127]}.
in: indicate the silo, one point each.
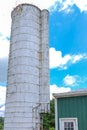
{"type": "Point", "coordinates": [44, 62]}
{"type": "Point", "coordinates": [28, 70]}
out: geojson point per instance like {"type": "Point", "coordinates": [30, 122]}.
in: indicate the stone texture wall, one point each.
{"type": "Point", "coordinates": [28, 71]}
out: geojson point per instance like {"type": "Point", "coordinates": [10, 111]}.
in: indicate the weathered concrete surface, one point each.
{"type": "Point", "coordinates": [28, 71]}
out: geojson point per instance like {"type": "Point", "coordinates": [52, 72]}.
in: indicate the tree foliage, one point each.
{"type": "Point", "coordinates": [1, 123]}
{"type": "Point", "coordinates": [49, 119]}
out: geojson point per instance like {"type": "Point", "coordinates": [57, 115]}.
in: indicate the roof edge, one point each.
{"type": "Point", "coordinates": [71, 94]}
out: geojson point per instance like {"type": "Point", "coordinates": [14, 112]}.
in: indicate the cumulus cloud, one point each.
{"type": "Point", "coordinates": [58, 61]}
{"type": "Point", "coordinates": [2, 100]}
{"type": "Point", "coordinates": [70, 80]}
{"type": "Point", "coordinates": [79, 57]}
{"type": "Point", "coordinates": [73, 80]}
{"type": "Point", "coordinates": [67, 4]}
{"type": "Point", "coordinates": [55, 89]}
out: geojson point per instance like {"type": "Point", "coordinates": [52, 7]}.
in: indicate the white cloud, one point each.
{"type": "Point", "coordinates": [7, 6]}
{"type": "Point", "coordinates": [46, 4]}
{"type": "Point", "coordinates": [67, 4]}
{"type": "Point", "coordinates": [70, 80]}
{"type": "Point", "coordinates": [73, 80]}
{"type": "Point", "coordinates": [55, 89]}
{"type": "Point", "coordinates": [79, 57]}
{"type": "Point", "coordinates": [2, 111]}
{"type": "Point", "coordinates": [82, 4]}
{"type": "Point", "coordinates": [2, 100]}
{"type": "Point", "coordinates": [5, 16]}
{"type": "Point", "coordinates": [57, 60]}
{"type": "Point", "coordinates": [4, 47]}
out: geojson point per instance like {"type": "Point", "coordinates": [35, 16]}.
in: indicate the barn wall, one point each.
{"type": "Point", "coordinates": [70, 107]}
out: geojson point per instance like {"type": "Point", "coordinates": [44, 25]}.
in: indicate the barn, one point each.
{"type": "Point", "coordinates": [71, 110]}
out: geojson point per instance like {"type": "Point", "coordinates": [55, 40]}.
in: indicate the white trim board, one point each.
{"type": "Point", "coordinates": [71, 94]}
{"type": "Point", "coordinates": [62, 120]}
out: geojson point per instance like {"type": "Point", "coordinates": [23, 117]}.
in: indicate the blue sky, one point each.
{"type": "Point", "coordinates": [68, 31]}
{"type": "Point", "coordinates": [68, 43]}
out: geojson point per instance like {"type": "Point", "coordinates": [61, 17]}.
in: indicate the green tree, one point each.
{"type": "Point", "coordinates": [1, 123]}
{"type": "Point", "coordinates": [49, 119]}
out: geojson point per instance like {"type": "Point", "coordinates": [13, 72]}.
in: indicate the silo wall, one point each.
{"type": "Point", "coordinates": [27, 82]}
{"type": "Point", "coordinates": [44, 62]}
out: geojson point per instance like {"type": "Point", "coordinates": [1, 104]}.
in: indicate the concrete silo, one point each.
{"type": "Point", "coordinates": [28, 70]}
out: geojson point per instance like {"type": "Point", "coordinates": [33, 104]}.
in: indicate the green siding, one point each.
{"type": "Point", "coordinates": [73, 107]}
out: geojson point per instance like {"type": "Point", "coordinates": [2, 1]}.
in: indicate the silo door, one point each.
{"type": "Point", "coordinates": [68, 124]}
